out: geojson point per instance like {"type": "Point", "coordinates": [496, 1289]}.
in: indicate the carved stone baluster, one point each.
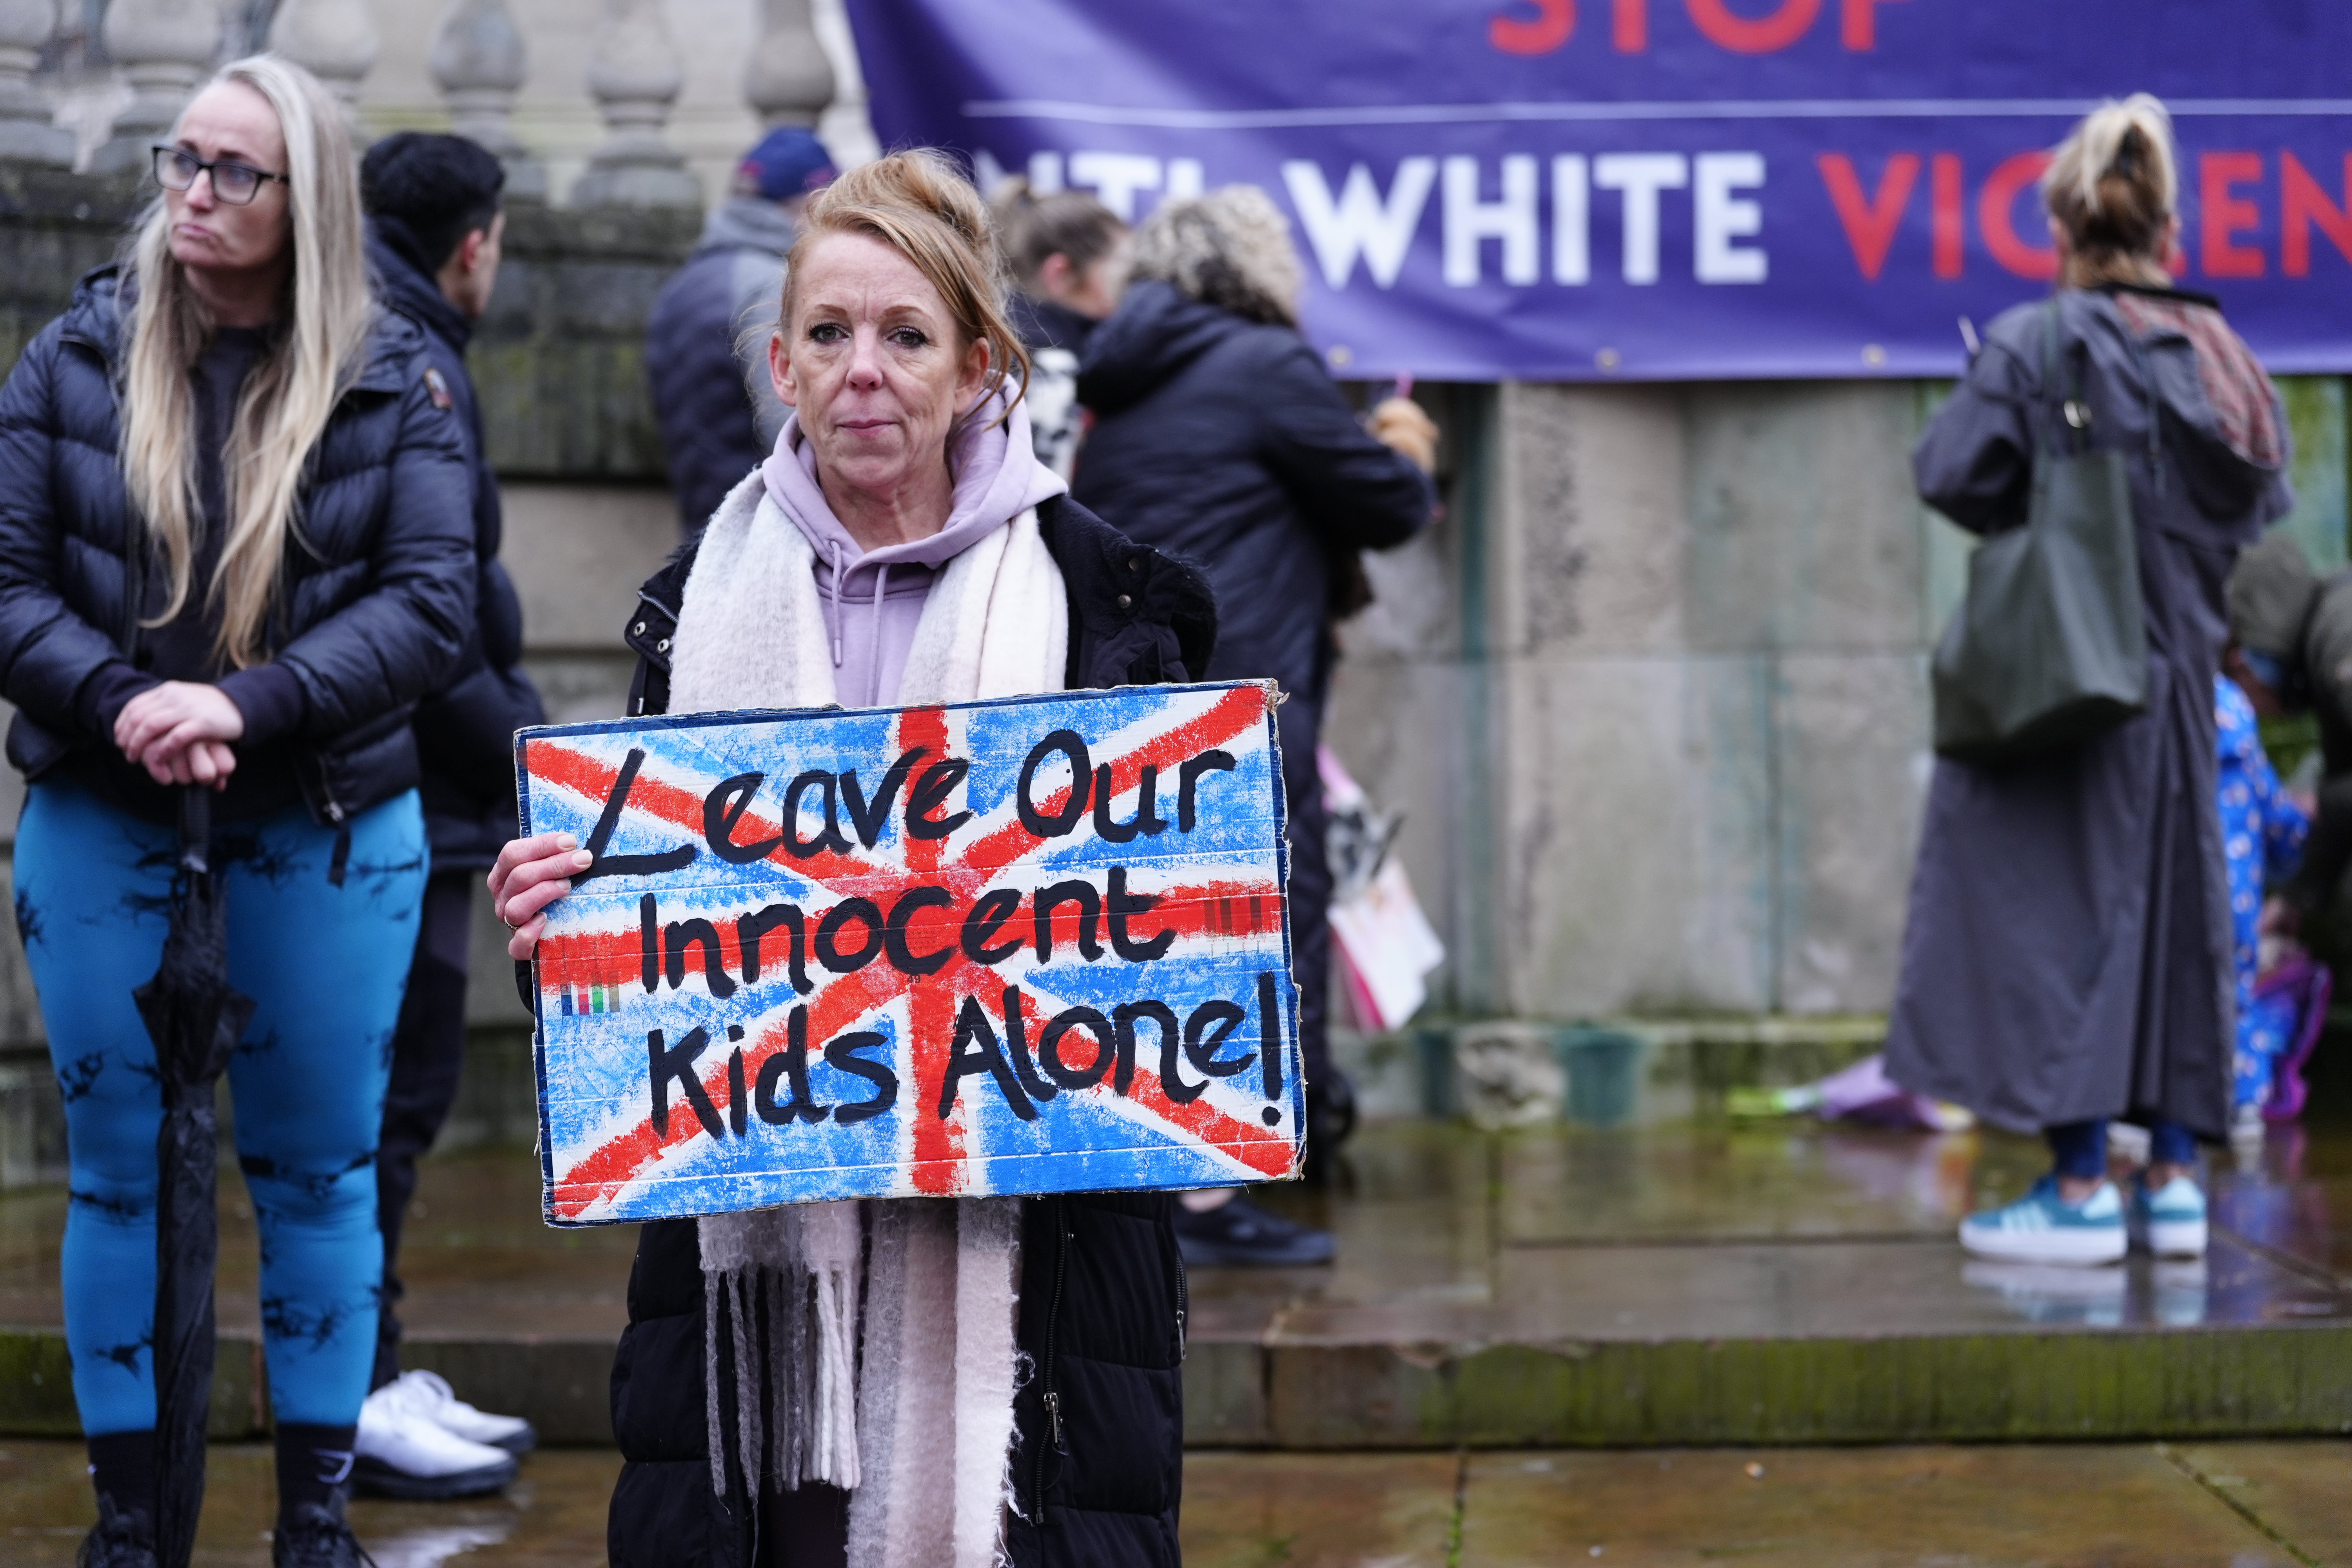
{"type": "Point", "coordinates": [636, 75]}
{"type": "Point", "coordinates": [334, 40]}
{"type": "Point", "coordinates": [164, 48]}
{"type": "Point", "coordinates": [788, 81]}
{"type": "Point", "coordinates": [478, 61]}
{"type": "Point", "coordinates": [27, 132]}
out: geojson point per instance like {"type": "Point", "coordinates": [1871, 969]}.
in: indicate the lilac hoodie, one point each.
{"type": "Point", "coordinates": [997, 478]}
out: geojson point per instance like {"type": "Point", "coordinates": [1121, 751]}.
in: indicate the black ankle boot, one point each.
{"type": "Point", "coordinates": [120, 1538]}
{"type": "Point", "coordinates": [313, 1535]}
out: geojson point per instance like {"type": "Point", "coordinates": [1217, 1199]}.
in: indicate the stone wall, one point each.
{"type": "Point", "coordinates": [1653, 695]}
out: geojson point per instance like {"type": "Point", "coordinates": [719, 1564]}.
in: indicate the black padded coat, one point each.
{"type": "Point", "coordinates": [1102, 1285]}
{"type": "Point", "coordinates": [466, 726]}
{"type": "Point", "coordinates": [373, 604]}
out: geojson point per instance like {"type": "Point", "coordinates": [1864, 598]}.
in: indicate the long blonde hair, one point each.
{"type": "Point", "coordinates": [288, 396]}
{"type": "Point", "coordinates": [2113, 184]}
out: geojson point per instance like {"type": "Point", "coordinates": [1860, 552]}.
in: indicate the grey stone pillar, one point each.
{"type": "Point", "coordinates": [334, 40]}
{"type": "Point", "coordinates": [787, 80]}
{"type": "Point", "coordinates": [635, 74]}
{"type": "Point", "coordinates": [26, 134]}
{"type": "Point", "coordinates": [164, 48]}
{"type": "Point", "coordinates": [479, 63]}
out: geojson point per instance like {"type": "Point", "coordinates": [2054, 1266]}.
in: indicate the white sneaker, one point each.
{"type": "Point", "coordinates": [2172, 1217]}
{"type": "Point", "coordinates": [429, 1395]}
{"type": "Point", "coordinates": [402, 1454]}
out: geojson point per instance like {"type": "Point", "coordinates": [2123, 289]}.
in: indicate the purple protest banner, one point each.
{"type": "Point", "coordinates": [1574, 189]}
{"type": "Point", "coordinates": [1036, 944]}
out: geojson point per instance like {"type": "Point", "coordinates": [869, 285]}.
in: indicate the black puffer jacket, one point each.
{"type": "Point", "coordinates": [1102, 1286]}
{"type": "Point", "coordinates": [465, 727]}
{"type": "Point", "coordinates": [373, 605]}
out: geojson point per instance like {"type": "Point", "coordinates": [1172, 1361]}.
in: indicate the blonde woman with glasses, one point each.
{"type": "Point", "coordinates": [234, 548]}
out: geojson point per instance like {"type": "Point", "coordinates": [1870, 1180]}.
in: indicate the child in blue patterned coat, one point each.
{"type": "Point", "coordinates": [2262, 830]}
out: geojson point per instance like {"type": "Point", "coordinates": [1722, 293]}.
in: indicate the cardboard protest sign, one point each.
{"type": "Point", "coordinates": [1032, 945]}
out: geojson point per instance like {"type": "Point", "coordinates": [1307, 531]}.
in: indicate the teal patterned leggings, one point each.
{"type": "Point", "coordinates": [320, 936]}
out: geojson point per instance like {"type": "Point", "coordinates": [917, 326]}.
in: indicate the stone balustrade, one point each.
{"type": "Point", "coordinates": [478, 56]}
{"type": "Point", "coordinates": [478, 62]}
{"type": "Point", "coordinates": [26, 134]}
{"type": "Point", "coordinates": [162, 48]}
{"type": "Point", "coordinates": [636, 74]}
{"type": "Point", "coordinates": [335, 40]}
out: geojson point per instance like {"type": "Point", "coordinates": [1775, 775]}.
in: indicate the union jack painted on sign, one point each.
{"type": "Point", "coordinates": [1032, 945]}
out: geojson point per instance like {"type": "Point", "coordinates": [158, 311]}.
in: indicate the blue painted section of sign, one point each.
{"type": "Point", "coordinates": [1582, 189]}
{"type": "Point", "coordinates": [1031, 946]}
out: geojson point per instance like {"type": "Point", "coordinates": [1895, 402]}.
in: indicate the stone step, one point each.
{"type": "Point", "coordinates": [1787, 1284]}
{"type": "Point", "coordinates": [2291, 1381]}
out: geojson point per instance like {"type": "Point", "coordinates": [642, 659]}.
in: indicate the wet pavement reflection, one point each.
{"type": "Point", "coordinates": [2217, 1505]}
{"type": "Point", "coordinates": [1789, 1228]}
{"type": "Point", "coordinates": [1446, 1234]}
{"type": "Point", "coordinates": [552, 1517]}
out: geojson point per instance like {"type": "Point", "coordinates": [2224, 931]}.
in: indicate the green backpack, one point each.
{"type": "Point", "coordinates": [2049, 648]}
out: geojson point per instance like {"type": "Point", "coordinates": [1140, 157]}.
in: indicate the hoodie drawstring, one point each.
{"type": "Point", "coordinates": [833, 551]}
{"type": "Point", "coordinates": [841, 616]}
{"type": "Point", "coordinates": [874, 648]}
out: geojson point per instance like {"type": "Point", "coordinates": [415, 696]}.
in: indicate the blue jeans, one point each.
{"type": "Point", "coordinates": [2080, 1148]}
{"type": "Point", "coordinates": [321, 943]}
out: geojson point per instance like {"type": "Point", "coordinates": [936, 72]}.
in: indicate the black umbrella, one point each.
{"type": "Point", "coordinates": [196, 1020]}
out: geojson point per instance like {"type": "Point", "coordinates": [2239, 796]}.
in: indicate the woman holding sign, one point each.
{"type": "Point", "coordinates": [235, 550]}
{"type": "Point", "coordinates": [903, 545]}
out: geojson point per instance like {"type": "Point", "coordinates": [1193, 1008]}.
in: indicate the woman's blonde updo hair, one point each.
{"type": "Point", "coordinates": [920, 205]}
{"type": "Point", "coordinates": [2112, 185]}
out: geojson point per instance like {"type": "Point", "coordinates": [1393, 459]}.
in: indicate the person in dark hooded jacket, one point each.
{"type": "Point", "coordinates": [2067, 958]}
{"type": "Point", "coordinates": [434, 232]}
{"type": "Point", "coordinates": [706, 340]}
{"type": "Point", "coordinates": [1219, 438]}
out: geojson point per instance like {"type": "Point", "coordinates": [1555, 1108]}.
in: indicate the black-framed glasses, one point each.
{"type": "Point", "coordinates": [176, 168]}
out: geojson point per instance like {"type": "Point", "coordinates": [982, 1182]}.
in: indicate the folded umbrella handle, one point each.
{"type": "Point", "coordinates": [196, 829]}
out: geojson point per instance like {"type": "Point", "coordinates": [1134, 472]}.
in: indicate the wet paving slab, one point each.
{"type": "Point", "coordinates": [552, 1517]}
{"type": "Point", "coordinates": [2112, 1507]}
{"type": "Point", "coordinates": [2231, 1505]}
{"type": "Point", "coordinates": [1320, 1511]}
{"type": "Point", "coordinates": [2301, 1492]}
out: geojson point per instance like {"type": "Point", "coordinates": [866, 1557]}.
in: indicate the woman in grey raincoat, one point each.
{"type": "Point", "coordinates": [2067, 958]}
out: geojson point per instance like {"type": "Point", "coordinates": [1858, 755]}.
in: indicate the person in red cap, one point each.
{"type": "Point", "coordinates": [719, 417]}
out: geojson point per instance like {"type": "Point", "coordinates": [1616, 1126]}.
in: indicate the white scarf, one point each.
{"type": "Point", "coordinates": [924, 1444]}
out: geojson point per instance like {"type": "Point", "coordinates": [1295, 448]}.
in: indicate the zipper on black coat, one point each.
{"type": "Point", "coordinates": [1183, 1305]}
{"type": "Point", "coordinates": [1051, 1396]}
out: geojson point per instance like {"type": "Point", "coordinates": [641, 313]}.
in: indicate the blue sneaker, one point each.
{"type": "Point", "coordinates": [2043, 1227]}
{"type": "Point", "coordinates": [2172, 1217]}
